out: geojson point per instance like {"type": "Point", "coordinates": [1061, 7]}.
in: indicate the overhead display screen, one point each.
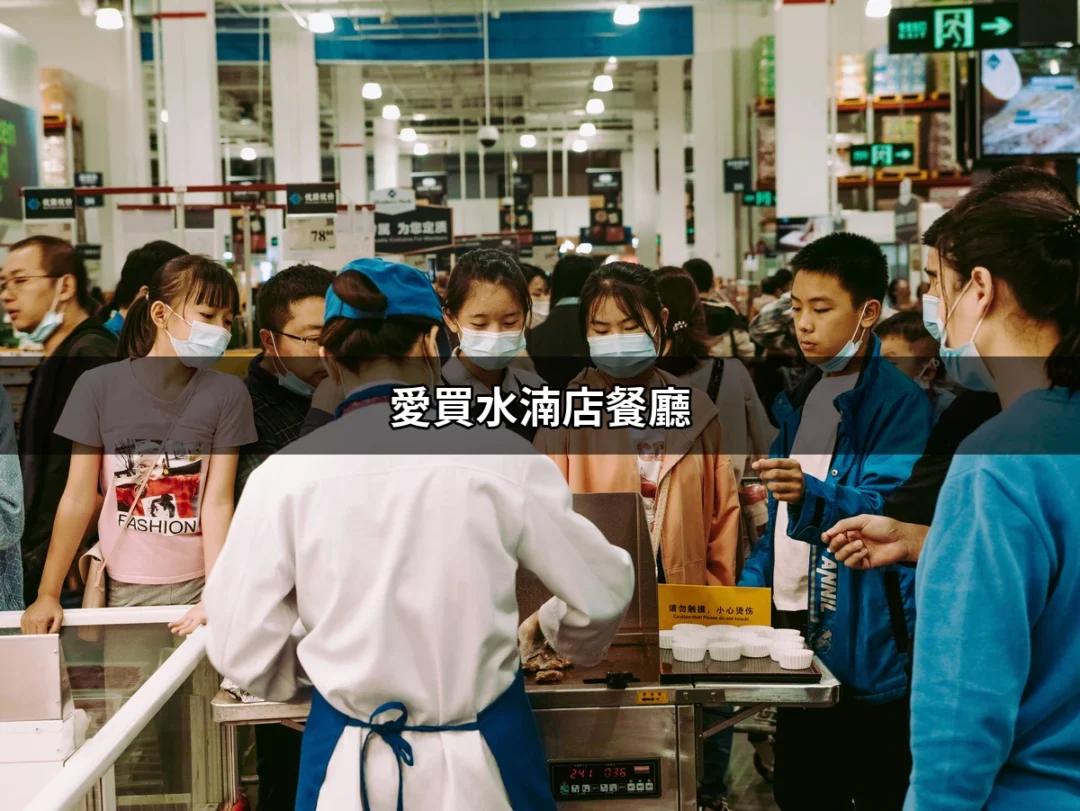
{"type": "Point", "coordinates": [18, 157]}
{"type": "Point", "coordinates": [1030, 102]}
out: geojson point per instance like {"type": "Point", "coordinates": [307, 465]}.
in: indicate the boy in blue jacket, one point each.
{"type": "Point", "coordinates": [850, 432]}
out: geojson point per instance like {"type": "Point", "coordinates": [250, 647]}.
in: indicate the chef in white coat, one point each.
{"type": "Point", "coordinates": [397, 551]}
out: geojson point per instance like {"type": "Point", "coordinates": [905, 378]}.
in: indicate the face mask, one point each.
{"type": "Point", "coordinates": [542, 308]}
{"type": "Point", "coordinates": [626, 355]}
{"type": "Point", "coordinates": [844, 356]}
{"type": "Point", "coordinates": [963, 363]}
{"type": "Point", "coordinates": [930, 316]}
{"type": "Point", "coordinates": [49, 324]}
{"type": "Point", "coordinates": [491, 350]}
{"type": "Point", "coordinates": [289, 380]}
{"type": "Point", "coordinates": [204, 346]}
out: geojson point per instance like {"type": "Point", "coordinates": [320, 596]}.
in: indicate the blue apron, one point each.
{"type": "Point", "coordinates": [506, 725]}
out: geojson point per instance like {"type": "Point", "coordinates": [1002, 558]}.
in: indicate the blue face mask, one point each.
{"type": "Point", "coordinates": [289, 380]}
{"type": "Point", "coordinates": [49, 324]}
{"type": "Point", "coordinates": [840, 361]}
{"type": "Point", "coordinates": [491, 350]}
{"type": "Point", "coordinates": [930, 316]}
{"type": "Point", "coordinates": [115, 323]}
{"type": "Point", "coordinates": [626, 355]}
{"type": "Point", "coordinates": [963, 363]}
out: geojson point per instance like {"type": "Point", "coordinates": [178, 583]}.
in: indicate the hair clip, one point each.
{"type": "Point", "coordinates": [679, 325]}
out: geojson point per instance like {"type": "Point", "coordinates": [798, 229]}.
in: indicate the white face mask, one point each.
{"type": "Point", "coordinates": [541, 308]}
{"type": "Point", "coordinates": [205, 345]}
{"type": "Point", "coordinates": [289, 380]}
{"type": "Point", "coordinates": [49, 323]}
{"type": "Point", "coordinates": [491, 350]}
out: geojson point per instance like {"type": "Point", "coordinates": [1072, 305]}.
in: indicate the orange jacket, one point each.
{"type": "Point", "coordinates": [699, 523]}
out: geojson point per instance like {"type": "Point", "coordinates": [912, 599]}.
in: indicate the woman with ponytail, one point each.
{"type": "Point", "coordinates": [159, 431]}
{"type": "Point", "coordinates": [995, 704]}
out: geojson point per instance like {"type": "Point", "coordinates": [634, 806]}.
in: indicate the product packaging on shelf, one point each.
{"type": "Point", "coordinates": [57, 93]}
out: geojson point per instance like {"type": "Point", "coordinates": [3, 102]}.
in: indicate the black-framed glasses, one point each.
{"type": "Point", "coordinates": [310, 342]}
{"type": "Point", "coordinates": [19, 281]}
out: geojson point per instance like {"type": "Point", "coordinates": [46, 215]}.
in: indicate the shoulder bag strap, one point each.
{"type": "Point", "coordinates": [716, 378]}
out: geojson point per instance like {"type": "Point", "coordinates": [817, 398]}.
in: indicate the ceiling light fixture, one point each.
{"type": "Point", "coordinates": [248, 153]}
{"type": "Point", "coordinates": [580, 145]}
{"type": "Point", "coordinates": [527, 141]}
{"type": "Point", "coordinates": [164, 116]}
{"type": "Point", "coordinates": [109, 18]}
{"type": "Point", "coordinates": [371, 91]}
{"type": "Point", "coordinates": [627, 14]}
{"type": "Point", "coordinates": [588, 129]}
{"type": "Point", "coordinates": [419, 117]}
{"type": "Point", "coordinates": [420, 149]}
{"type": "Point", "coordinates": [878, 8]}
{"type": "Point", "coordinates": [594, 106]}
{"type": "Point", "coordinates": [579, 112]}
{"type": "Point", "coordinates": [391, 112]}
{"type": "Point", "coordinates": [603, 83]}
{"type": "Point", "coordinates": [319, 22]}
{"type": "Point", "coordinates": [408, 134]}
{"type": "Point", "coordinates": [585, 248]}
{"type": "Point", "coordinates": [611, 60]}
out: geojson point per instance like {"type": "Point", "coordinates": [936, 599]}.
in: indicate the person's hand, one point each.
{"type": "Point", "coordinates": [530, 638]}
{"type": "Point", "coordinates": [327, 396]}
{"type": "Point", "coordinates": [872, 541]}
{"type": "Point", "coordinates": [783, 477]}
{"type": "Point", "coordinates": [45, 616]}
{"type": "Point", "coordinates": [190, 621]}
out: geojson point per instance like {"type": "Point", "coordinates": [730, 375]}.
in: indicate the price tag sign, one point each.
{"type": "Point", "coordinates": [48, 204]}
{"type": "Point", "coordinates": [85, 180]}
{"type": "Point", "coordinates": [713, 605]}
{"type": "Point", "coordinates": [311, 234]}
{"type": "Point", "coordinates": [737, 177]}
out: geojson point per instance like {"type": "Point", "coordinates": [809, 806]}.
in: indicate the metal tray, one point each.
{"type": "Point", "coordinates": [764, 671]}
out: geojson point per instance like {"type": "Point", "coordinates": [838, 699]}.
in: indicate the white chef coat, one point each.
{"type": "Point", "coordinates": [399, 560]}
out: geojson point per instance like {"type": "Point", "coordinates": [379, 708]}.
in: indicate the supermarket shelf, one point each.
{"type": "Point", "coordinates": [767, 107]}
{"type": "Point", "coordinates": [944, 181]}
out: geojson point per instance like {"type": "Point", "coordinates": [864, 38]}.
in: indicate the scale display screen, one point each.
{"type": "Point", "coordinates": [605, 779]}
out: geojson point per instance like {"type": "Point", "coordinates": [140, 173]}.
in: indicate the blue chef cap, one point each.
{"type": "Point", "coordinates": [407, 291]}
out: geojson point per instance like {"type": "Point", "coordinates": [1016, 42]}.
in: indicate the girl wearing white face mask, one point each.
{"type": "Point", "coordinates": [488, 307]}
{"type": "Point", "coordinates": [159, 433]}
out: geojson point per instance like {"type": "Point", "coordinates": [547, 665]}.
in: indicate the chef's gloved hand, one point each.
{"type": "Point", "coordinates": [530, 638]}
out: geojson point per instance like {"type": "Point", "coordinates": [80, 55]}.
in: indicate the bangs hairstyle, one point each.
{"type": "Point", "coordinates": [354, 341]}
{"type": "Point", "coordinates": [855, 261]}
{"type": "Point", "coordinates": [486, 267]}
{"type": "Point", "coordinates": [1023, 225]}
{"type": "Point", "coordinates": [686, 320]}
{"type": "Point", "coordinates": [633, 287]}
{"type": "Point", "coordinates": [189, 279]}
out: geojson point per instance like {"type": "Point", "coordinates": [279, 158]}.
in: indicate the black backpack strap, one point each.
{"type": "Point", "coordinates": [896, 618]}
{"type": "Point", "coordinates": [716, 378]}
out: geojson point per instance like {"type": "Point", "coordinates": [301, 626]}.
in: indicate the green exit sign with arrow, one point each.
{"type": "Point", "coordinates": [926, 29]}
{"type": "Point", "coordinates": [878, 155]}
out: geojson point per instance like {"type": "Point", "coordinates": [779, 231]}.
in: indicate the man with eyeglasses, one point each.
{"type": "Point", "coordinates": [44, 290]}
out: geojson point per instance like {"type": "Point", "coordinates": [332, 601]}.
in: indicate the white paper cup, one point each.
{"type": "Point", "coordinates": [689, 653]}
{"type": "Point", "coordinates": [728, 650]}
{"type": "Point", "coordinates": [755, 649]}
{"type": "Point", "coordinates": [796, 659]}
{"type": "Point", "coordinates": [779, 646]}
{"type": "Point", "coordinates": [780, 632]}
{"type": "Point", "coordinates": [719, 632]}
{"type": "Point", "coordinates": [689, 627]}
{"type": "Point", "coordinates": [667, 640]}
{"type": "Point", "coordinates": [765, 631]}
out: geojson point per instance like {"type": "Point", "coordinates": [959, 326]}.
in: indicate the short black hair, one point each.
{"type": "Point", "coordinates": [569, 276]}
{"type": "Point", "coordinates": [701, 272]}
{"type": "Point", "coordinates": [933, 235]}
{"type": "Point", "coordinates": [908, 325]}
{"type": "Point", "coordinates": [285, 288]}
{"type": "Point", "coordinates": [634, 287]}
{"type": "Point", "coordinates": [59, 258]}
{"type": "Point", "coordinates": [139, 269]}
{"type": "Point", "coordinates": [486, 266]}
{"type": "Point", "coordinates": [533, 272]}
{"type": "Point", "coordinates": [856, 261]}
{"type": "Point", "coordinates": [783, 278]}
{"type": "Point", "coordinates": [768, 286]}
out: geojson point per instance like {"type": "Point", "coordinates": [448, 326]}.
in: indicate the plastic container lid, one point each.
{"type": "Point", "coordinates": [788, 632]}
{"type": "Point", "coordinates": [755, 649]}
{"type": "Point", "coordinates": [784, 644]}
{"type": "Point", "coordinates": [688, 653]}
{"type": "Point", "coordinates": [667, 640]}
{"type": "Point", "coordinates": [796, 659]}
{"type": "Point", "coordinates": [729, 650]}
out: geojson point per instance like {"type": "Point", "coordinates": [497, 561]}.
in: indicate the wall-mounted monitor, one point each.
{"type": "Point", "coordinates": [1030, 102]}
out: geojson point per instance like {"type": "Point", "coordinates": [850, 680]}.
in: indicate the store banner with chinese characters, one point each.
{"type": "Point", "coordinates": [713, 605]}
{"type": "Point", "coordinates": [310, 199]}
{"type": "Point", "coordinates": [606, 225]}
{"type": "Point", "coordinates": [515, 213]}
{"type": "Point", "coordinates": [421, 229]}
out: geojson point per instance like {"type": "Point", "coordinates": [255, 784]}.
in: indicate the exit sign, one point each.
{"type": "Point", "coordinates": [762, 198]}
{"type": "Point", "coordinates": [877, 155]}
{"type": "Point", "coordinates": [926, 29]}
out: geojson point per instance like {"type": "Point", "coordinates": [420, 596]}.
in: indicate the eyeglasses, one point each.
{"type": "Point", "coordinates": [19, 281]}
{"type": "Point", "coordinates": [309, 343]}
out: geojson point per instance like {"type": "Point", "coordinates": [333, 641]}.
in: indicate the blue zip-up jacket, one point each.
{"type": "Point", "coordinates": [884, 424]}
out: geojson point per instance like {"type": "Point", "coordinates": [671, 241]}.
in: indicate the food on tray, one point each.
{"type": "Point", "coordinates": [547, 659]}
{"type": "Point", "coordinates": [549, 677]}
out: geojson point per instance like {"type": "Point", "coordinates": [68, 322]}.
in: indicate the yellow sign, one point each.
{"type": "Point", "coordinates": [652, 697]}
{"type": "Point", "coordinates": [713, 605]}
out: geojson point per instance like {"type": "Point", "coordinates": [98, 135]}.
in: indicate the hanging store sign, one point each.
{"type": "Point", "coordinates": [877, 155]}
{"type": "Point", "coordinates": [310, 199]}
{"type": "Point", "coordinates": [393, 201]}
{"type": "Point", "coordinates": [713, 605]}
{"type": "Point", "coordinates": [906, 220]}
{"type": "Point", "coordinates": [737, 175]}
{"type": "Point", "coordinates": [48, 204]}
{"type": "Point", "coordinates": [422, 228]}
{"type": "Point", "coordinates": [91, 256]}
{"type": "Point", "coordinates": [430, 186]}
{"type": "Point", "coordinates": [90, 180]}
{"type": "Point", "coordinates": [762, 198]}
{"type": "Point", "coordinates": [311, 234]}
{"type": "Point", "coordinates": [927, 29]}
{"type": "Point", "coordinates": [606, 226]}
{"type": "Point", "coordinates": [515, 213]}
